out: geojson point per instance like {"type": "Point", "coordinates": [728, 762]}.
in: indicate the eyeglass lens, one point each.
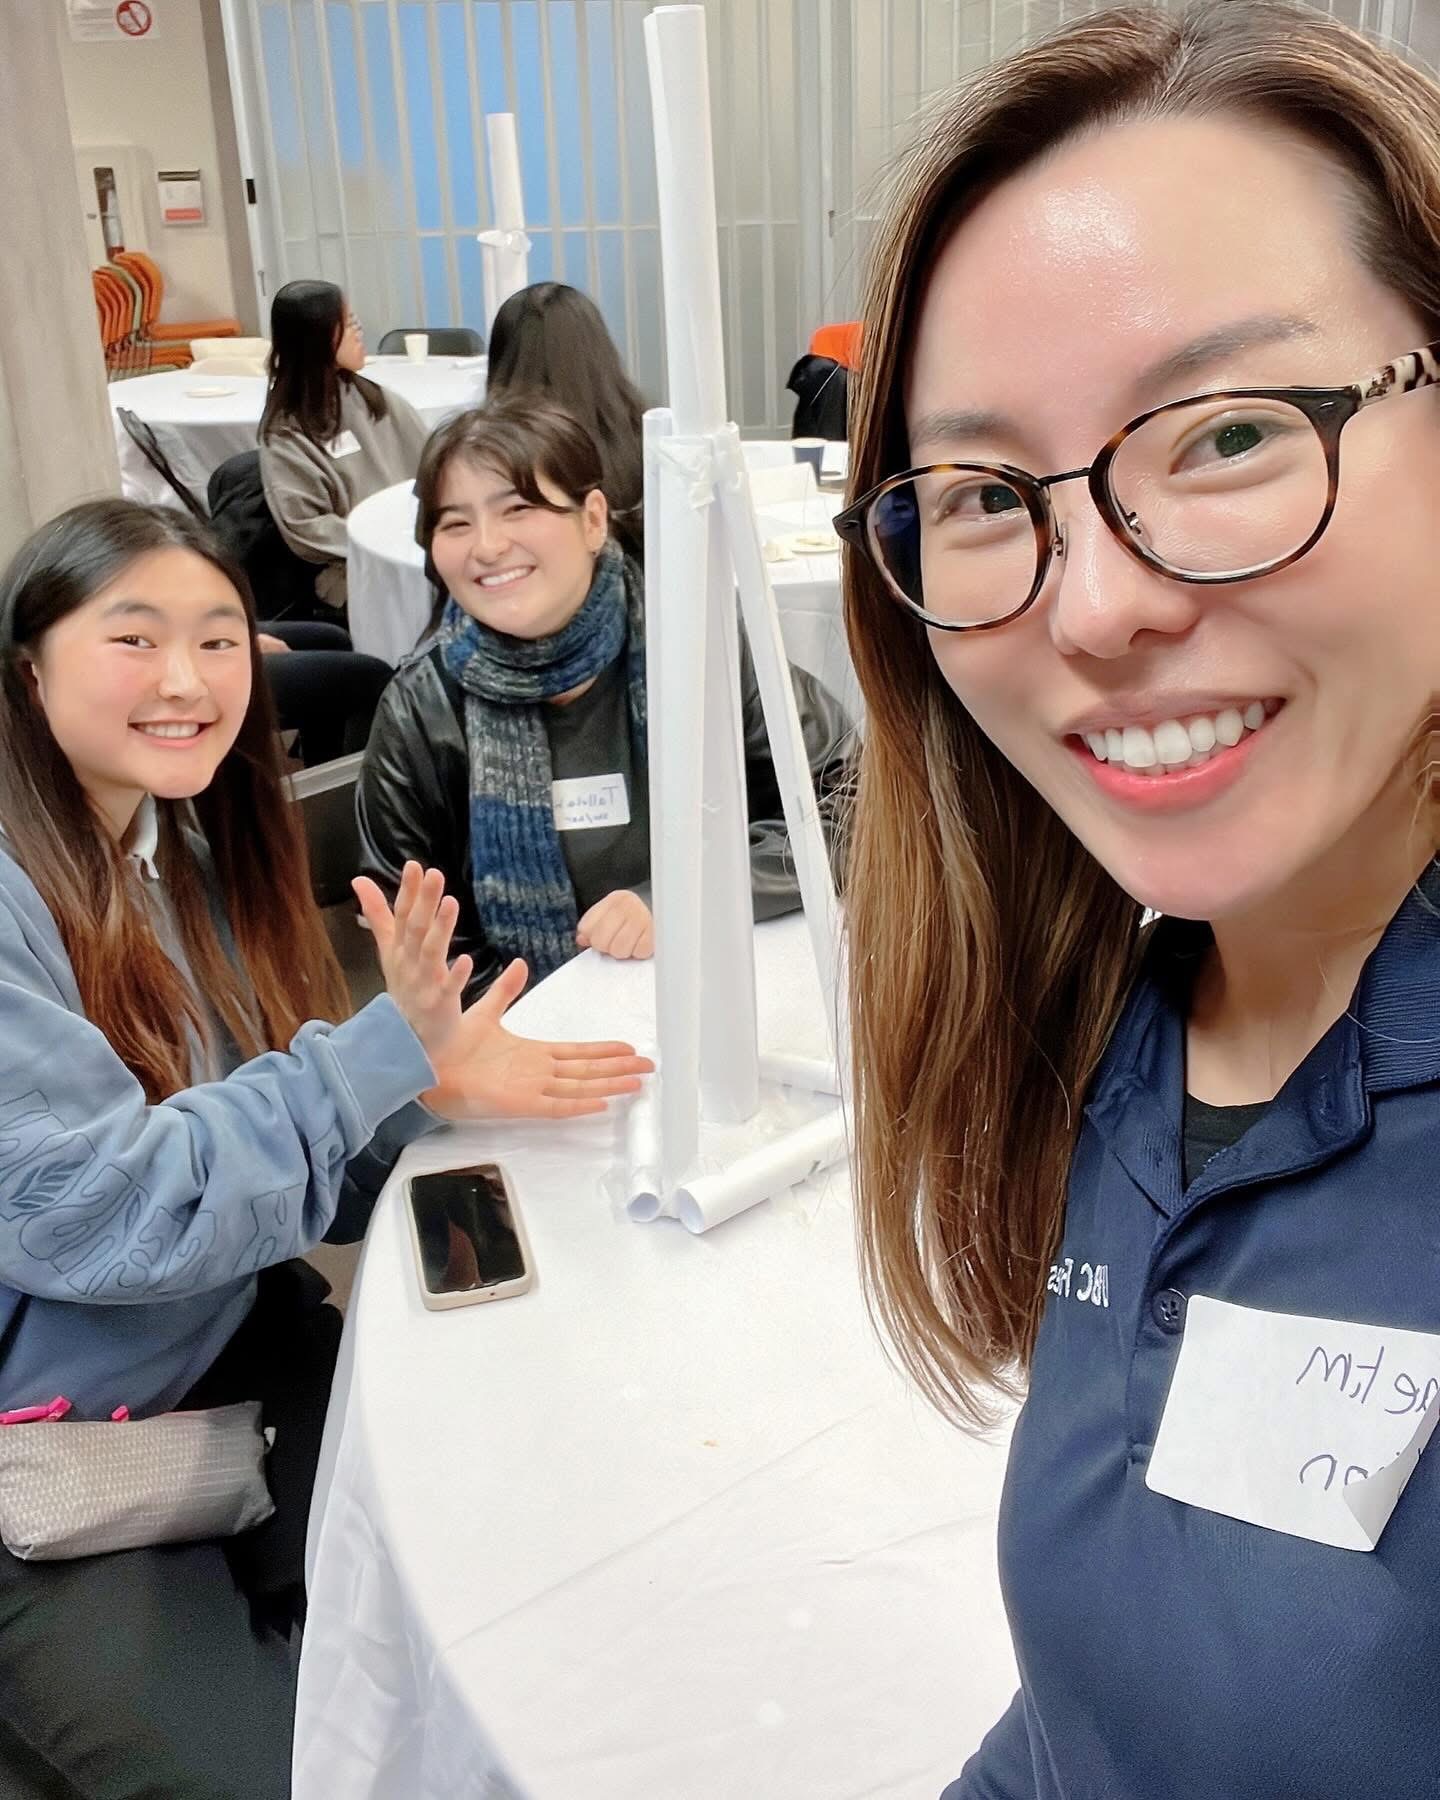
{"type": "Point", "coordinates": [1215, 487]}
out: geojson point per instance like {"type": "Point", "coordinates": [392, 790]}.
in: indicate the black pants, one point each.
{"type": "Point", "coordinates": [169, 1674]}
{"type": "Point", "coordinates": [323, 689]}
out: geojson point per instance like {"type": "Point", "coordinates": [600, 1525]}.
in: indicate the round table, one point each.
{"type": "Point", "coordinates": [201, 420]}
{"type": "Point", "coordinates": [669, 1525]}
{"type": "Point", "coordinates": [390, 600]}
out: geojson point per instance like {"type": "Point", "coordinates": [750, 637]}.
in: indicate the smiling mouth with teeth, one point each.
{"type": "Point", "coordinates": [1179, 744]}
{"type": "Point", "coordinates": [170, 729]}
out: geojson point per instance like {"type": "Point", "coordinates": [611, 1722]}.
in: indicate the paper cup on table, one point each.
{"type": "Point", "coordinates": [809, 450]}
{"type": "Point", "coordinates": [417, 345]}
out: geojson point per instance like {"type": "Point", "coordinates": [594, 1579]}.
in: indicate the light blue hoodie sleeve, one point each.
{"type": "Point", "coordinates": [106, 1198]}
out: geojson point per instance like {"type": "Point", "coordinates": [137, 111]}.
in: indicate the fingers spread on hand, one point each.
{"type": "Point", "coordinates": [505, 989]}
{"type": "Point", "coordinates": [375, 910]}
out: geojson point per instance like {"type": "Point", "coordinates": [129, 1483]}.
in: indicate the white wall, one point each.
{"type": "Point", "coordinates": [57, 444]}
{"type": "Point", "coordinates": [155, 93]}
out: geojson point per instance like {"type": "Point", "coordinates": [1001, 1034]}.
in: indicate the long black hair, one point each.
{"type": "Point", "coordinates": [307, 321]}
{"type": "Point", "coordinates": [130, 988]}
{"type": "Point", "coordinates": [550, 339]}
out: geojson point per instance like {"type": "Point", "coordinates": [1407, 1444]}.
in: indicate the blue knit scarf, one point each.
{"type": "Point", "coordinates": [522, 886]}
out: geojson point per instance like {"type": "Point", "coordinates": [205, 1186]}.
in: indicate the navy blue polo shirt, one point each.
{"type": "Point", "coordinates": [1166, 1652]}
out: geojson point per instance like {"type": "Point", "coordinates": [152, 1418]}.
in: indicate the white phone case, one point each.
{"type": "Point", "coordinates": [500, 1290]}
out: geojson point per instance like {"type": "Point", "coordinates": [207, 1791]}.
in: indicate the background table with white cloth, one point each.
{"type": "Point", "coordinates": [199, 421]}
{"type": "Point", "coordinates": [390, 600]}
{"type": "Point", "coordinates": [670, 1526]}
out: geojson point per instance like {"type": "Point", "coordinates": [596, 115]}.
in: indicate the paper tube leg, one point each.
{"type": "Point", "coordinates": [676, 546]}
{"type": "Point", "coordinates": [762, 1173]}
{"type": "Point", "coordinates": [787, 739]}
{"type": "Point", "coordinates": [680, 104]}
{"type": "Point", "coordinates": [645, 1199]}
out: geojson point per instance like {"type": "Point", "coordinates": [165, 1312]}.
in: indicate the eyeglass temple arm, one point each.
{"type": "Point", "coordinates": [1420, 369]}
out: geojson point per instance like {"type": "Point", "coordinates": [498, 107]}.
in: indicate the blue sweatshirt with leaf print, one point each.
{"type": "Point", "coordinates": [131, 1234]}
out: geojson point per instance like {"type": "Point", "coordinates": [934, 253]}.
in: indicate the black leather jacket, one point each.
{"type": "Point", "coordinates": [413, 797]}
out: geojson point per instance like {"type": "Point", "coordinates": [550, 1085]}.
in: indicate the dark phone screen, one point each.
{"type": "Point", "coordinates": [466, 1233]}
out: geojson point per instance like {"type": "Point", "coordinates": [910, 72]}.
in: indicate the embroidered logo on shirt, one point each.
{"type": "Point", "coordinates": [1090, 1286]}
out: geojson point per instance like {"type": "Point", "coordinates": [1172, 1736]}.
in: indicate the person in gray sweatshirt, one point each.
{"type": "Point", "coordinates": [329, 437]}
{"type": "Point", "coordinates": [185, 1106]}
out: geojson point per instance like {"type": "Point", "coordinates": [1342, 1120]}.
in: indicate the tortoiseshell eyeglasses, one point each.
{"type": "Point", "coordinates": [1221, 487]}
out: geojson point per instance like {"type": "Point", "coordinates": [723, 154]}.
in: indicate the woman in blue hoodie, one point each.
{"type": "Point", "coordinates": [184, 1106]}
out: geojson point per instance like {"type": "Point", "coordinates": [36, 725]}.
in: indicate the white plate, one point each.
{"type": "Point", "coordinates": [209, 393]}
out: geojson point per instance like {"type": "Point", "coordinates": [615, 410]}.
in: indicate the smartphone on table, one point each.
{"type": "Point", "coordinates": [469, 1238]}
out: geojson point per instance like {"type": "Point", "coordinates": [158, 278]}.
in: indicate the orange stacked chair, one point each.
{"type": "Point", "coordinates": [120, 305]}
{"type": "Point", "coordinates": [841, 343]}
{"type": "Point", "coordinates": [152, 286]}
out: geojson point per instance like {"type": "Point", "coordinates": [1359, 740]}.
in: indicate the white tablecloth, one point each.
{"type": "Point", "coordinates": [197, 429]}
{"type": "Point", "coordinates": [669, 1527]}
{"type": "Point", "coordinates": [390, 599]}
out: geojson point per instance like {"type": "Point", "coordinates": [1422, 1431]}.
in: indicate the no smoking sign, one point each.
{"type": "Point", "coordinates": [134, 17]}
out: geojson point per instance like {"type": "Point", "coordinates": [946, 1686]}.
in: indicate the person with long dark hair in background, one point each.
{"type": "Point", "coordinates": [186, 1104]}
{"type": "Point", "coordinates": [329, 436]}
{"type": "Point", "coordinates": [551, 339]}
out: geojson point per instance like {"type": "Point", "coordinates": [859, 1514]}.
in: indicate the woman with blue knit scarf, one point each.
{"type": "Point", "coordinates": [510, 751]}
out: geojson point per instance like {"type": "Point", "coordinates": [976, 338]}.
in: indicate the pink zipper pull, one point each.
{"type": "Point", "coordinates": [26, 1415]}
{"type": "Point", "coordinates": [120, 1414]}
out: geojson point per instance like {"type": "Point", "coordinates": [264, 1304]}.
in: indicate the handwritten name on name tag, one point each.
{"type": "Point", "coordinates": [1305, 1425]}
{"type": "Point", "coordinates": [588, 802]}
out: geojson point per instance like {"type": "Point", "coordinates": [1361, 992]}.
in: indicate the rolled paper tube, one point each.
{"type": "Point", "coordinates": [685, 191]}
{"type": "Point", "coordinates": [506, 248]}
{"type": "Point", "coordinates": [506, 195]}
{"type": "Point", "coordinates": [677, 538]}
{"type": "Point", "coordinates": [642, 1157]}
{"type": "Point", "coordinates": [814, 1074]}
{"type": "Point", "coordinates": [708, 1200]}
{"type": "Point", "coordinates": [782, 719]}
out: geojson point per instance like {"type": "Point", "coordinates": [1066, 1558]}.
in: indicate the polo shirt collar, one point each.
{"type": "Point", "coordinates": [1387, 1040]}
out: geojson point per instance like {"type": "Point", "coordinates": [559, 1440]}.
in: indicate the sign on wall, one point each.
{"type": "Point", "coordinates": [182, 199]}
{"type": "Point", "coordinates": [112, 21]}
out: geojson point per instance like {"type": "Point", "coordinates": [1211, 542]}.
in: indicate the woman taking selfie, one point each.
{"type": "Point", "coordinates": [186, 1104]}
{"type": "Point", "coordinates": [329, 436]}
{"type": "Point", "coordinates": [1141, 597]}
{"type": "Point", "coordinates": [514, 748]}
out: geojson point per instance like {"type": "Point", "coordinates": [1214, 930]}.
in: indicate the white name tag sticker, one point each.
{"type": "Point", "coordinates": [1303, 1425]}
{"type": "Point", "coordinates": [588, 802]}
{"type": "Point", "coordinates": [345, 445]}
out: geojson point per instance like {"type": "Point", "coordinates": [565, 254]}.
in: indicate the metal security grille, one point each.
{"type": "Point", "coordinates": [365, 128]}
{"type": "Point", "coordinates": [367, 122]}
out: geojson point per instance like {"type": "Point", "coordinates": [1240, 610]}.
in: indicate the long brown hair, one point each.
{"type": "Point", "coordinates": [130, 989]}
{"type": "Point", "coordinates": [990, 954]}
{"type": "Point", "coordinates": [551, 339]}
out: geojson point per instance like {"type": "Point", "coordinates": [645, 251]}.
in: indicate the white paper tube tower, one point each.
{"type": "Point", "coordinates": [701, 537]}
{"type": "Point", "coordinates": [504, 249]}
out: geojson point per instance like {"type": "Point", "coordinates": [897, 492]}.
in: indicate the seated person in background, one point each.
{"type": "Point", "coordinates": [329, 437]}
{"type": "Point", "coordinates": [323, 689]}
{"type": "Point", "coordinates": [158, 946]}
{"type": "Point", "coordinates": [550, 339]}
{"type": "Point", "coordinates": [535, 683]}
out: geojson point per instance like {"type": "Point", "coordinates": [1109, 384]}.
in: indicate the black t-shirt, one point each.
{"type": "Point", "coordinates": [590, 737]}
{"type": "Point", "coordinates": [1210, 1129]}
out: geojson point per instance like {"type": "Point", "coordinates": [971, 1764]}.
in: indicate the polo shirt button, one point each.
{"type": "Point", "coordinates": [1168, 1309]}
